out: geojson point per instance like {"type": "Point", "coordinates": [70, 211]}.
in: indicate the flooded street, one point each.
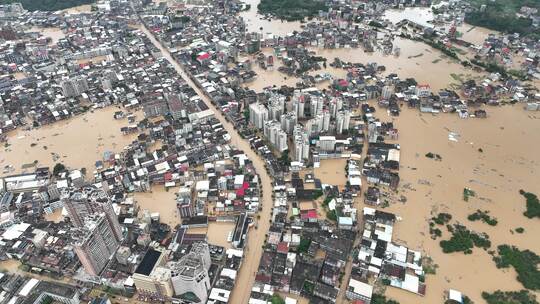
{"type": "Point", "coordinates": [496, 175]}
{"type": "Point", "coordinates": [62, 142]}
{"type": "Point", "coordinates": [256, 237]}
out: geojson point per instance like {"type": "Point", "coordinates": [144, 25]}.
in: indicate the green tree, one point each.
{"type": "Point", "coordinates": [381, 299]}
{"type": "Point", "coordinates": [509, 297]}
{"type": "Point", "coordinates": [58, 168]}
{"type": "Point", "coordinates": [532, 204]}
{"type": "Point", "coordinates": [525, 262]}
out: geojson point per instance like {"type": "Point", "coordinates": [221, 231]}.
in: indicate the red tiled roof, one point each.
{"type": "Point", "coordinates": [203, 56]}
{"type": "Point", "coordinates": [283, 247]}
{"type": "Point", "coordinates": [308, 214]}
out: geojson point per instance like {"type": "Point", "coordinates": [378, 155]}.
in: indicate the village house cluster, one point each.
{"type": "Point", "coordinates": [378, 258]}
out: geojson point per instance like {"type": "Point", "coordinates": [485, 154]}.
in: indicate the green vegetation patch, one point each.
{"type": "Point", "coordinates": [466, 300]}
{"type": "Point", "coordinates": [524, 262]}
{"type": "Point", "coordinates": [492, 67]}
{"type": "Point", "coordinates": [500, 15]}
{"type": "Point", "coordinates": [331, 215]}
{"type": "Point", "coordinates": [433, 156]}
{"type": "Point", "coordinates": [285, 160]}
{"type": "Point", "coordinates": [58, 168]}
{"type": "Point", "coordinates": [428, 265]}
{"type": "Point", "coordinates": [381, 299]}
{"type": "Point", "coordinates": [468, 193]}
{"type": "Point", "coordinates": [442, 218]}
{"type": "Point", "coordinates": [533, 204]}
{"type": "Point", "coordinates": [520, 229]}
{"type": "Point", "coordinates": [304, 245]}
{"type": "Point", "coordinates": [48, 5]}
{"type": "Point", "coordinates": [464, 240]}
{"type": "Point", "coordinates": [292, 10]}
{"type": "Point", "coordinates": [308, 287]}
{"type": "Point", "coordinates": [483, 216]}
{"type": "Point", "coordinates": [277, 299]}
{"type": "Point", "coordinates": [509, 297]}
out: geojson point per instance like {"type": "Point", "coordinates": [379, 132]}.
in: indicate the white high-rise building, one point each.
{"type": "Point", "coordinates": [190, 274]}
{"type": "Point", "coordinates": [301, 144]}
{"type": "Point", "coordinates": [276, 136]}
{"type": "Point", "coordinates": [258, 114]}
{"type": "Point", "coordinates": [326, 120]}
{"type": "Point", "coordinates": [316, 105]}
{"type": "Point", "coordinates": [343, 120]}
{"type": "Point", "coordinates": [288, 122]}
{"type": "Point", "coordinates": [327, 143]}
{"type": "Point", "coordinates": [314, 126]}
{"type": "Point", "coordinates": [276, 105]}
{"type": "Point", "coordinates": [298, 101]}
{"type": "Point", "coordinates": [335, 105]}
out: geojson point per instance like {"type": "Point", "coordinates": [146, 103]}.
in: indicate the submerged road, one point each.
{"type": "Point", "coordinates": [253, 251]}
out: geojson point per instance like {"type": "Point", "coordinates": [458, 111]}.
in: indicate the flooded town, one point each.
{"type": "Point", "coordinates": [269, 151]}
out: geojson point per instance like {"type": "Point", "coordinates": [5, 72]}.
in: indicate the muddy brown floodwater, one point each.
{"type": "Point", "coordinates": [77, 142]}
{"type": "Point", "coordinates": [423, 16]}
{"type": "Point", "coordinates": [509, 162]}
{"type": "Point", "coordinates": [275, 27]}
{"type": "Point", "coordinates": [256, 237]}
{"type": "Point", "coordinates": [413, 62]}
{"type": "Point", "coordinates": [161, 201]}
{"type": "Point", "coordinates": [332, 172]}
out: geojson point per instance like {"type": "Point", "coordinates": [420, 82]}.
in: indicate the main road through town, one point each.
{"type": "Point", "coordinates": [253, 251]}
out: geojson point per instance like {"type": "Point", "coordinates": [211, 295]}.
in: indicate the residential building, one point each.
{"type": "Point", "coordinates": [74, 86]}
{"type": "Point", "coordinates": [190, 274]}
{"type": "Point", "coordinates": [258, 114]}
{"type": "Point", "coordinates": [94, 243]}
{"type": "Point", "coordinates": [276, 136]}
{"type": "Point", "coordinates": [276, 105]}
{"type": "Point", "coordinates": [87, 201]}
{"type": "Point", "coordinates": [288, 122]}
{"type": "Point", "coordinates": [327, 143]}
{"type": "Point", "coordinates": [301, 144]}
{"type": "Point", "coordinates": [151, 276]}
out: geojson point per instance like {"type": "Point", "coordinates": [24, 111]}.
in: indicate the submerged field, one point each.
{"type": "Point", "coordinates": [494, 158]}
